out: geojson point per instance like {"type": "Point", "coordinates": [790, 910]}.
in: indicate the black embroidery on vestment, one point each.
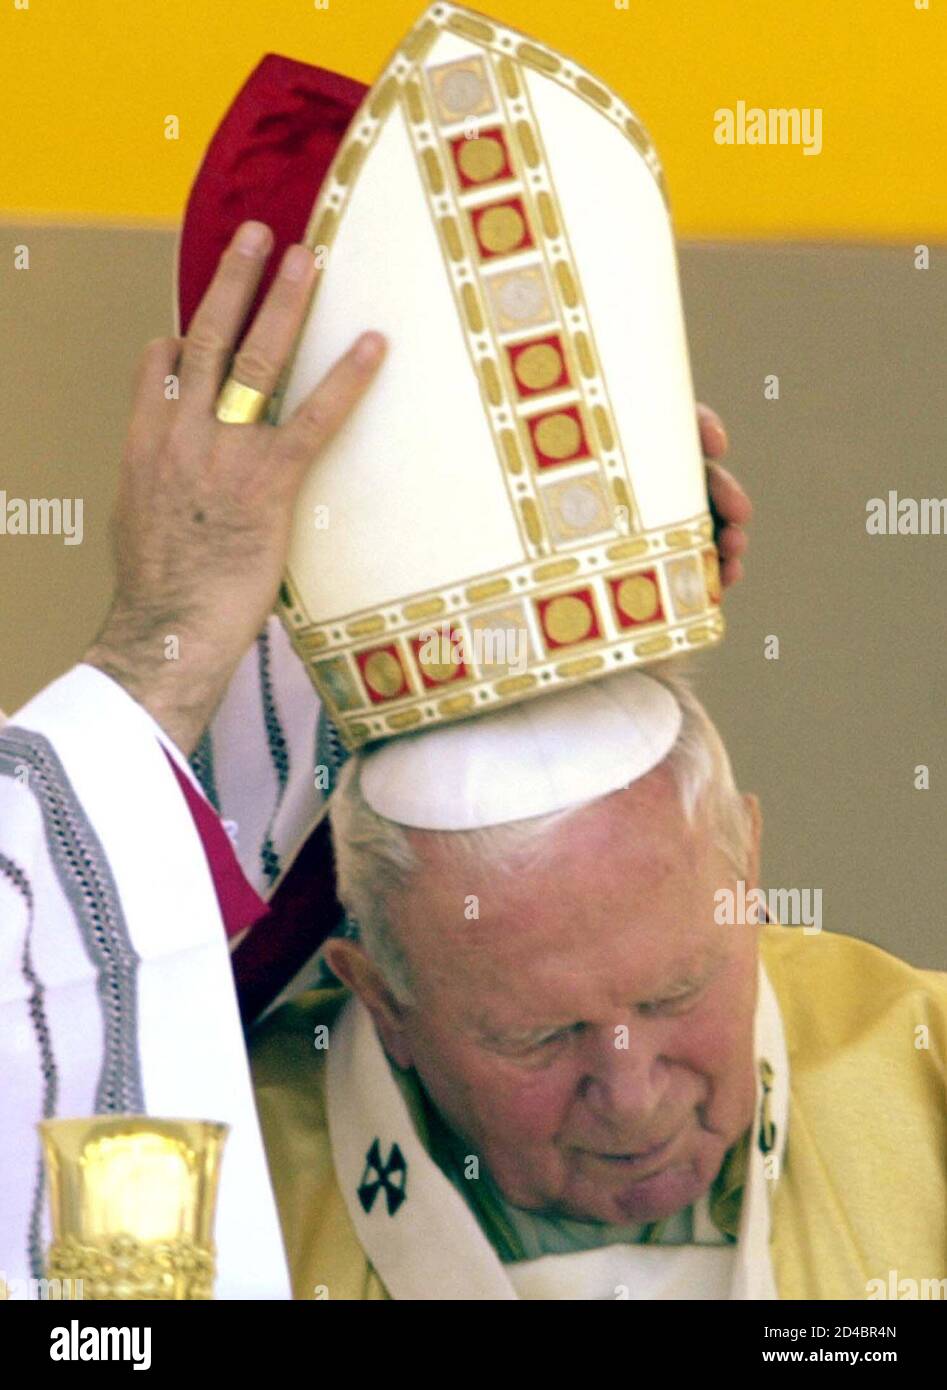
{"type": "Point", "coordinates": [86, 882]}
{"type": "Point", "coordinates": [392, 1175]}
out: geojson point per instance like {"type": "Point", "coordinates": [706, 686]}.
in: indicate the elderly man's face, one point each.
{"type": "Point", "coordinates": [589, 1034]}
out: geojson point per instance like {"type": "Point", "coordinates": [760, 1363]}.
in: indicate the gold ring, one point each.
{"type": "Point", "coordinates": [240, 405]}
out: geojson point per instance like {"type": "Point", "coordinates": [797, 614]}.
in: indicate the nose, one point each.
{"type": "Point", "coordinates": [624, 1078]}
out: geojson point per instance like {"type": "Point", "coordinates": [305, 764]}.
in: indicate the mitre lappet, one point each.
{"type": "Point", "coordinates": [519, 503]}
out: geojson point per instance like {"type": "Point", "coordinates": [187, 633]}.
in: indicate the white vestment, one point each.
{"type": "Point", "coordinates": [116, 989]}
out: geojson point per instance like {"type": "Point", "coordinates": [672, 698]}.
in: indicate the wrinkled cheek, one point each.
{"type": "Point", "coordinates": [723, 1056]}
{"type": "Point", "coordinates": [521, 1123]}
{"type": "Point", "coordinates": [529, 1112]}
{"type": "Point", "coordinates": [708, 1050]}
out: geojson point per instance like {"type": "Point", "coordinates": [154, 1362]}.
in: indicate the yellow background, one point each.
{"type": "Point", "coordinates": [87, 85]}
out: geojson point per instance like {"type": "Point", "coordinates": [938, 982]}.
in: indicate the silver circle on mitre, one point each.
{"type": "Point", "coordinates": [462, 91]}
{"type": "Point", "coordinates": [521, 297]}
{"type": "Point", "coordinates": [579, 505]}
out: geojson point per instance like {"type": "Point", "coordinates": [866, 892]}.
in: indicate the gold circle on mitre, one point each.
{"type": "Point", "coordinates": [567, 619]}
{"type": "Point", "coordinates": [439, 670]}
{"type": "Point", "coordinates": [383, 673]}
{"type": "Point", "coordinates": [558, 436]}
{"type": "Point", "coordinates": [538, 366]}
{"type": "Point", "coordinates": [481, 159]}
{"type": "Point", "coordinates": [501, 229]}
{"type": "Point", "coordinates": [638, 597]}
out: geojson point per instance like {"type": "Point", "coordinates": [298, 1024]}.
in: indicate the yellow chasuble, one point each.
{"type": "Point", "coordinates": [858, 1202]}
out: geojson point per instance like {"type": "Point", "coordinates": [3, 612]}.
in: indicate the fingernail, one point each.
{"type": "Point", "coordinates": [713, 431]}
{"type": "Point", "coordinates": [297, 263]}
{"type": "Point", "coordinates": [369, 348]}
{"type": "Point", "coordinates": [252, 238]}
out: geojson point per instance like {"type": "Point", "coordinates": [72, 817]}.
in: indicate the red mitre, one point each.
{"type": "Point", "coordinates": [266, 161]}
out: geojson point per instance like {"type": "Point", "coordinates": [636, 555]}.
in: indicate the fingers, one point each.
{"type": "Point", "coordinates": [158, 361]}
{"type": "Point", "coordinates": [713, 435]}
{"type": "Point", "coordinates": [317, 418]}
{"type": "Point", "coordinates": [731, 572]}
{"type": "Point", "coordinates": [731, 543]}
{"type": "Point", "coordinates": [728, 496]}
{"type": "Point", "coordinates": [732, 507]}
{"type": "Point", "coordinates": [274, 331]}
{"type": "Point", "coordinates": [154, 374]}
{"type": "Point", "coordinates": [209, 342]}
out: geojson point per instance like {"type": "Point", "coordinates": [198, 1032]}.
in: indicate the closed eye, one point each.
{"type": "Point", "coordinates": [524, 1047]}
{"type": "Point", "coordinates": [559, 1035]}
{"type": "Point", "coordinates": [673, 1004]}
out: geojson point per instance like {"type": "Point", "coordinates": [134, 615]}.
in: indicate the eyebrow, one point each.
{"type": "Point", "coordinates": [696, 971]}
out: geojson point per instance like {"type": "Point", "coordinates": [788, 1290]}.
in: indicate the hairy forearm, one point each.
{"type": "Point", "coordinates": [167, 672]}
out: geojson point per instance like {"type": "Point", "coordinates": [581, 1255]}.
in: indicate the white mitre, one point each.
{"type": "Point", "coordinates": [526, 465]}
{"type": "Point", "coordinates": [531, 759]}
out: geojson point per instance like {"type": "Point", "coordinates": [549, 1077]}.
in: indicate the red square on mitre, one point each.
{"type": "Point", "coordinates": [481, 159]}
{"type": "Point", "coordinates": [383, 674]}
{"type": "Point", "coordinates": [636, 599]}
{"type": "Point", "coordinates": [568, 619]}
{"type": "Point", "coordinates": [539, 366]}
{"type": "Point", "coordinates": [558, 436]}
{"type": "Point", "coordinates": [501, 228]}
{"type": "Point", "coordinates": [439, 655]}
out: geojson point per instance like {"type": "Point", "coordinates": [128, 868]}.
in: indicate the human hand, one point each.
{"type": "Point", "coordinates": [204, 514]}
{"type": "Point", "coordinates": [731, 503]}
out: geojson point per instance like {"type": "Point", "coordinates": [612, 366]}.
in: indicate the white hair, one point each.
{"type": "Point", "coordinates": [374, 856]}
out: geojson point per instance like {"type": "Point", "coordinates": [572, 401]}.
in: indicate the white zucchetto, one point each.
{"type": "Point", "coordinates": [527, 760]}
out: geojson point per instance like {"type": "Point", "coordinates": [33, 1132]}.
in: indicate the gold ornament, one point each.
{"type": "Point", "coordinates": [538, 367]}
{"type": "Point", "coordinates": [558, 436]}
{"type": "Point", "coordinates": [383, 674]}
{"type": "Point", "coordinates": [124, 1269]}
{"type": "Point", "coordinates": [501, 229]}
{"type": "Point", "coordinates": [132, 1203]}
{"type": "Point", "coordinates": [567, 619]}
{"type": "Point", "coordinates": [638, 598]}
{"type": "Point", "coordinates": [482, 159]}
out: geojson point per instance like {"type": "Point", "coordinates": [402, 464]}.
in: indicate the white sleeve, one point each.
{"type": "Point", "coordinates": [259, 762]}
{"type": "Point", "coordinates": [116, 991]}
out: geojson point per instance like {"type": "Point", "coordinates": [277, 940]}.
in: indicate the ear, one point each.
{"type": "Point", "coordinates": [356, 969]}
{"type": "Point", "coordinates": [752, 804]}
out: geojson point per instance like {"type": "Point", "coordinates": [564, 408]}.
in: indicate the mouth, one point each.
{"type": "Point", "coordinates": [634, 1161]}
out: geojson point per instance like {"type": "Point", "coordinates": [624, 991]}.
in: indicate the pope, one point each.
{"type": "Point", "coordinates": [556, 1074]}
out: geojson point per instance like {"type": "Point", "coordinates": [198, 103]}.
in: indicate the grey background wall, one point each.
{"type": "Point", "coordinates": [829, 734]}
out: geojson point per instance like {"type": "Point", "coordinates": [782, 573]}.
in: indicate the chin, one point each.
{"type": "Point", "coordinates": [620, 1198]}
{"type": "Point", "coordinates": [661, 1196]}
